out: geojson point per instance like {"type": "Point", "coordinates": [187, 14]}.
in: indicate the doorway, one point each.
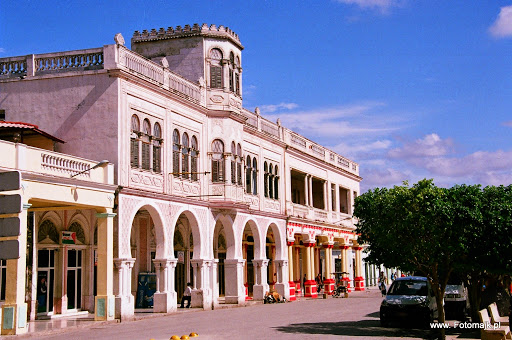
{"type": "Point", "coordinates": [74, 279]}
{"type": "Point", "coordinates": [45, 280]}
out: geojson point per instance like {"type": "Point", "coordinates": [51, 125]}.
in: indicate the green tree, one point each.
{"type": "Point", "coordinates": [412, 228]}
{"type": "Point", "coordinates": [488, 242]}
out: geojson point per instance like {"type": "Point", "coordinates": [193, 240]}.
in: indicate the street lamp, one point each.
{"type": "Point", "coordinates": [100, 164]}
{"type": "Point", "coordinates": [343, 219]}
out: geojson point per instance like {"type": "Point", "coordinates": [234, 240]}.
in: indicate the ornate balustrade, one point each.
{"type": "Point", "coordinates": [141, 65]}
{"type": "Point", "coordinates": [81, 59]}
{"type": "Point", "coordinates": [65, 165]}
{"type": "Point", "coordinates": [270, 128]}
{"type": "Point", "coordinates": [295, 139]}
{"type": "Point", "coordinates": [15, 66]}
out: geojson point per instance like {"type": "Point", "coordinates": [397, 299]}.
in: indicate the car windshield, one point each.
{"type": "Point", "coordinates": [408, 287]}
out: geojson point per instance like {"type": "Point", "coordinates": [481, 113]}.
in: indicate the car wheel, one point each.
{"type": "Point", "coordinates": [383, 320]}
{"type": "Point", "coordinates": [463, 313]}
{"type": "Point", "coordinates": [429, 319]}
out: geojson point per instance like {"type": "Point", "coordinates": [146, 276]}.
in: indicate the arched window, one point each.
{"type": "Point", "coordinates": [248, 175]}
{"type": "Point", "coordinates": [146, 146]}
{"type": "Point", "coordinates": [78, 230]}
{"type": "Point", "coordinates": [217, 161]}
{"type": "Point", "coordinates": [237, 75]}
{"type": "Point", "coordinates": [231, 72]}
{"type": "Point", "coordinates": [239, 164]}
{"type": "Point", "coordinates": [254, 176]}
{"type": "Point", "coordinates": [276, 183]}
{"type": "Point", "coordinates": [194, 154]}
{"type": "Point", "coordinates": [176, 153]}
{"type": "Point", "coordinates": [134, 142]}
{"type": "Point", "coordinates": [216, 68]}
{"type": "Point", "coordinates": [185, 152]}
{"type": "Point", "coordinates": [157, 148]}
{"type": "Point", "coordinates": [233, 162]}
{"type": "Point", "coordinates": [271, 181]}
{"type": "Point", "coordinates": [265, 179]}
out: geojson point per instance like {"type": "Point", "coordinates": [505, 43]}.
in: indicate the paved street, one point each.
{"type": "Point", "coordinates": [354, 318]}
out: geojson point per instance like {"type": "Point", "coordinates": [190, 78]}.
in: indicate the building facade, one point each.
{"type": "Point", "coordinates": [207, 191]}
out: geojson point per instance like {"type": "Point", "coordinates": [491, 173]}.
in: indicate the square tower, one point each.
{"type": "Point", "coordinates": [208, 55]}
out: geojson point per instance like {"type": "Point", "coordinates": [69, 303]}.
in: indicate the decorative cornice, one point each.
{"type": "Point", "coordinates": [195, 30]}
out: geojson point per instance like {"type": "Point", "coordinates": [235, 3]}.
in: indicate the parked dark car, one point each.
{"type": "Point", "coordinates": [409, 298]}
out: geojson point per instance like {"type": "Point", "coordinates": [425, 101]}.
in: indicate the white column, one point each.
{"type": "Point", "coordinates": [105, 300]}
{"type": "Point", "coordinates": [234, 279]}
{"type": "Point", "coordinates": [164, 299]}
{"type": "Point", "coordinates": [282, 281]}
{"type": "Point", "coordinates": [310, 190]}
{"type": "Point", "coordinates": [306, 190]}
{"type": "Point", "coordinates": [202, 292]}
{"type": "Point", "coordinates": [124, 299]}
{"type": "Point", "coordinates": [260, 286]}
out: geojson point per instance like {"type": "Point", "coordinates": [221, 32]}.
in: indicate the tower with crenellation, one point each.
{"type": "Point", "coordinates": [208, 55]}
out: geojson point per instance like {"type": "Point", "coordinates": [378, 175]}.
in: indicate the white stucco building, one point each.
{"type": "Point", "coordinates": [207, 191]}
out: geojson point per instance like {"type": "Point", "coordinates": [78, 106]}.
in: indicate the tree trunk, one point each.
{"type": "Point", "coordinates": [440, 308]}
{"type": "Point", "coordinates": [475, 298]}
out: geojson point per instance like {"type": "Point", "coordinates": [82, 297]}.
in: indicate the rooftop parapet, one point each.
{"type": "Point", "coordinates": [187, 31]}
{"type": "Point", "coordinates": [255, 121]}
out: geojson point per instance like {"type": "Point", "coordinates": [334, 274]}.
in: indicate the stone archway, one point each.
{"type": "Point", "coordinates": [192, 266]}
{"type": "Point", "coordinates": [230, 270]}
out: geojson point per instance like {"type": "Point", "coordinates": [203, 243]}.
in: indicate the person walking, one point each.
{"type": "Point", "coordinates": [382, 283]}
{"type": "Point", "coordinates": [187, 296]}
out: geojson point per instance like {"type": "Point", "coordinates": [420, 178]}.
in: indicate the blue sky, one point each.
{"type": "Point", "coordinates": [409, 89]}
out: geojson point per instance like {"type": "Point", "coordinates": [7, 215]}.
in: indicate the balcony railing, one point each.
{"type": "Point", "coordinates": [26, 158]}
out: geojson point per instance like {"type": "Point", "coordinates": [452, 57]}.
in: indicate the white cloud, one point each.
{"type": "Point", "coordinates": [429, 146]}
{"type": "Point", "coordinates": [381, 5]}
{"type": "Point", "coordinates": [502, 27]}
{"type": "Point", "coordinates": [358, 150]}
{"type": "Point", "coordinates": [2, 50]}
{"type": "Point", "coordinates": [274, 108]}
{"type": "Point", "coordinates": [474, 165]}
{"type": "Point", "coordinates": [340, 121]}
{"type": "Point", "coordinates": [382, 177]}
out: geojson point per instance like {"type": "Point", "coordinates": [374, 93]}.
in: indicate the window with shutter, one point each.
{"type": "Point", "coordinates": [254, 176]}
{"type": "Point", "coordinates": [184, 161]}
{"type": "Point", "coordinates": [193, 158]}
{"type": "Point", "coordinates": [248, 174]}
{"type": "Point", "coordinates": [146, 148]}
{"type": "Point", "coordinates": [215, 170]}
{"type": "Point", "coordinates": [176, 153]}
{"type": "Point", "coordinates": [216, 77]}
{"type": "Point", "coordinates": [218, 161]}
{"type": "Point", "coordinates": [157, 149]}
{"type": "Point", "coordinates": [276, 184]}
{"type": "Point", "coordinates": [157, 158]}
{"type": "Point", "coordinates": [265, 179]}
{"type": "Point", "coordinates": [134, 152]}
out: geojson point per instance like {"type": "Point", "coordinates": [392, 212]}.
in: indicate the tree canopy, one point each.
{"type": "Point", "coordinates": [435, 231]}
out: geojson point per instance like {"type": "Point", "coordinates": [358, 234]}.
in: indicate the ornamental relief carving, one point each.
{"type": "Point", "coordinates": [253, 201]}
{"type": "Point", "coordinates": [218, 190]}
{"type": "Point", "coordinates": [217, 99]}
{"type": "Point", "coordinates": [126, 206]}
{"type": "Point", "coordinates": [146, 181]}
{"type": "Point", "coordinates": [235, 103]}
{"type": "Point", "coordinates": [177, 186]}
{"type": "Point", "coordinates": [273, 205]}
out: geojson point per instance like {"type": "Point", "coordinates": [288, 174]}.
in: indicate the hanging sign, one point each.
{"type": "Point", "coordinates": [68, 237]}
{"type": "Point", "coordinates": [181, 257]}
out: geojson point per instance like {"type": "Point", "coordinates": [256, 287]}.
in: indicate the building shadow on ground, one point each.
{"type": "Point", "coordinates": [371, 329]}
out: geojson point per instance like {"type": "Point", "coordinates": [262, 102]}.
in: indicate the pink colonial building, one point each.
{"type": "Point", "coordinates": [207, 191]}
